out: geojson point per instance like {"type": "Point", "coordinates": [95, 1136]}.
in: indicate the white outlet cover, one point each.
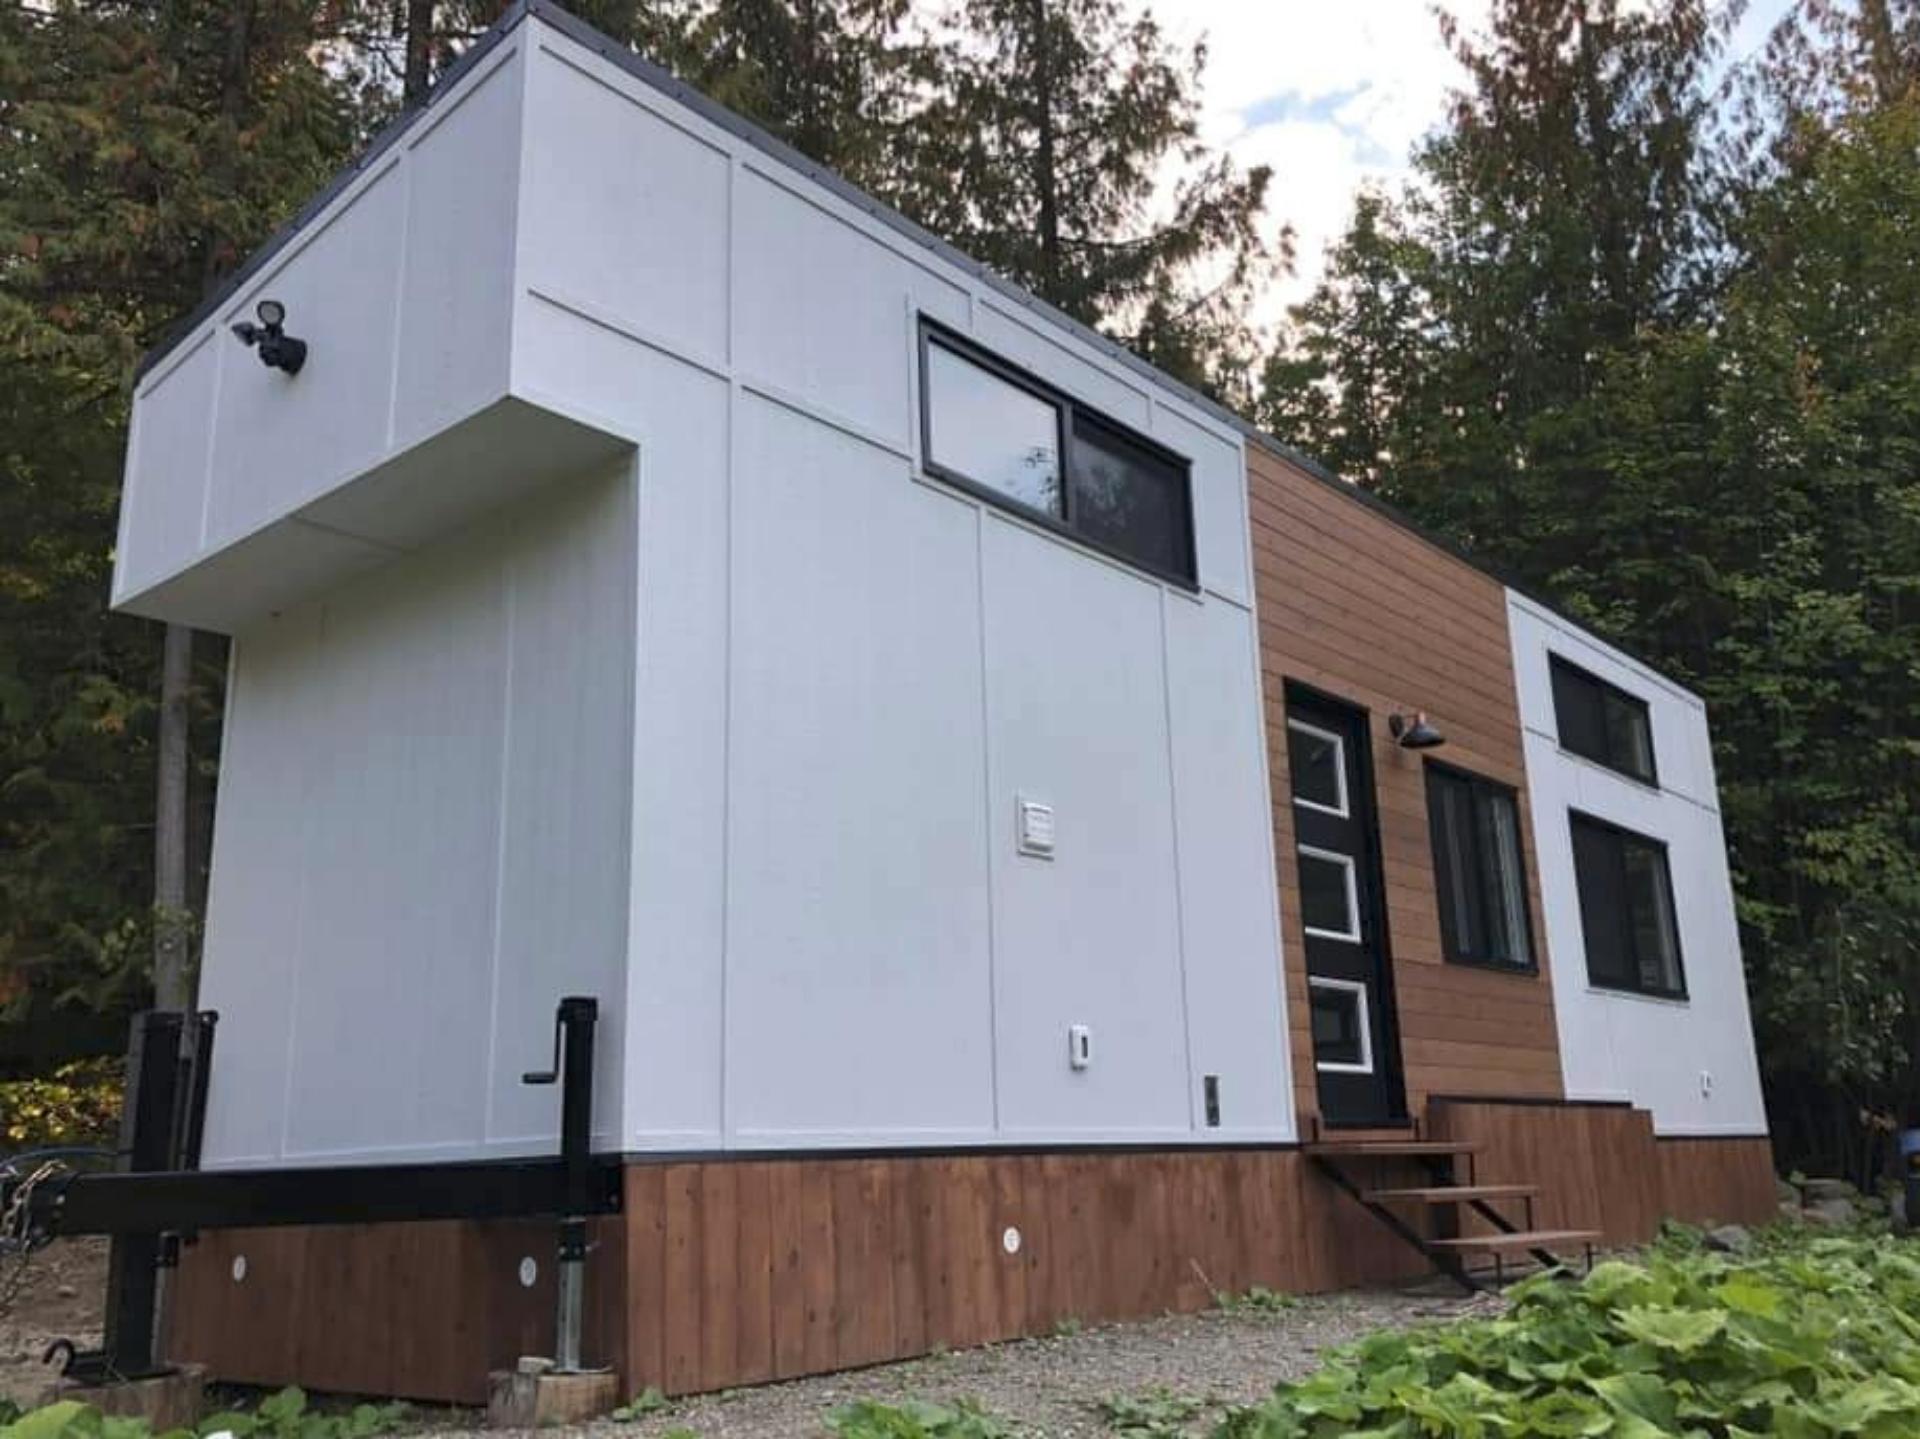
{"type": "Point", "coordinates": [1010, 1240]}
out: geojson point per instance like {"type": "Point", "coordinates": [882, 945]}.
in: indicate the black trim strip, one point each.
{"type": "Point", "coordinates": [185, 1200]}
{"type": "Point", "coordinates": [654, 75]}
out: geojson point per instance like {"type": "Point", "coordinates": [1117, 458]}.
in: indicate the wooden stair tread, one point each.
{"type": "Point", "coordinates": [1391, 1148]}
{"type": "Point", "coordinates": [1451, 1193]}
{"type": "Point", "coordinates": [1526, 1239]}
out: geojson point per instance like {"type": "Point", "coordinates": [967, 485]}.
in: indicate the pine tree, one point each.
{"type": "Point", "coordinates": [1040, 153]}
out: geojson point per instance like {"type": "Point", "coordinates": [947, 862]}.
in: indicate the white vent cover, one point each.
{"type": "Point", "coordinates": [1035, 827]}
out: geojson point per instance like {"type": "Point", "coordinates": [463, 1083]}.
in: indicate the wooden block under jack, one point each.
{"type": "Point", "coordinates": [532, 1396]}
{"type": "Point", "coordinates": [174, 1400]}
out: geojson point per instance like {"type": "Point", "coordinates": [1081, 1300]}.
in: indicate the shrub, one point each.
{"type": "Point", "coordinates": [79, 1104]}
{"type": "Point", "coordinates": [1809, 1336]}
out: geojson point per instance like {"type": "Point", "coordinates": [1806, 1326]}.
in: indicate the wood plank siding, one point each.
{"type": "Point", "coordinates": [1361, 608]}
{"type": "Point", "coordinates": [727, 1272]}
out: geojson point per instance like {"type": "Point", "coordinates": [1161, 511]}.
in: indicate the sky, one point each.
{"type": "Point", "coordinates": [1333, 94]}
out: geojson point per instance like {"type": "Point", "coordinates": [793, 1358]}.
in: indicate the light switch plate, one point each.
{"type": "Point", "coordinates": [1035, 834]}
{"type": "Point", "coordinates": [1079, 1046]}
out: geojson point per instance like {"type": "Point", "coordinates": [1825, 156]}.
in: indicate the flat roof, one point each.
{"type": "Point", "coordinates": [660, 79]}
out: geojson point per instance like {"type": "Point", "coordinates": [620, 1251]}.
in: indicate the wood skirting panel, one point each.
{"type": "Point", "coordinates": [420, 1310]}
{"type": "Point", "coordinates": [1708, 1181]}
{"type": "Point", "coordinates": [1355, 605]}
{"type": "Point", "coordinates": [727, 1272]}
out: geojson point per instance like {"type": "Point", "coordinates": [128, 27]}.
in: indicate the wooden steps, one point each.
{"type": "Point", "coordinates": [1521, 1239]}
{"type": "Point", "coordinates": [1450, 1193]}
{"type": "Point", "coordinates": [1391, 1149]}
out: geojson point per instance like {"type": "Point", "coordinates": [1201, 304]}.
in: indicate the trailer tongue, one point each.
{"type": "Point", "coordinates": [158, 1198]}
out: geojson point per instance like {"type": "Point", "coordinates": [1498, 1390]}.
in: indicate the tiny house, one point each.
{"type": "Point", "coordinates": [1035, 841]}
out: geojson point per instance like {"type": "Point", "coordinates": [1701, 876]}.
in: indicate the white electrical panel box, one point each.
{"type": "Point", "coordinates": [1035, 828]}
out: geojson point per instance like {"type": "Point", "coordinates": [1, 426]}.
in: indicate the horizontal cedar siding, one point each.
{"type": "Point", "coordinates": [1358, 606]}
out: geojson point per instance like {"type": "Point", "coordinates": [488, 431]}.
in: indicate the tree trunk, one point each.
{"type": "Point", "coordinates": [419, 72]}
{"type": "Point", "coordinates": [172, 920]}
{"type": "Point", "coordinates": [1045, 176]}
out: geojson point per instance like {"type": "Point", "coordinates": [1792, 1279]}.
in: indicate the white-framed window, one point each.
{"type": "Point", "coordinates": [1342, 1026]}
{"type": "Point", "coordinates": [1329, 895]}
{"type": "Point", "coordinates": [1317, 759]}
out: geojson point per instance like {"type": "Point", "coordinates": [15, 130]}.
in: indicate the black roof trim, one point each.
{"type": "Point", "coordinates": [659, 78]}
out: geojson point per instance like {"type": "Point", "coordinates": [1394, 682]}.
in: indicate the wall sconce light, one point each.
{"type": "Point", "coordinates": [278, 350]}
{"type": "Point", "coordinates": [1414, 733]}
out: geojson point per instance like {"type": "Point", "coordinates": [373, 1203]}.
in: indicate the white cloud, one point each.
{"type": "Point", "coordinates": [1332, 95]}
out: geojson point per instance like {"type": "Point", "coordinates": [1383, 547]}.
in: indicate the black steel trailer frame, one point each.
{"type": "Point", "coordinates": [158, 1197]}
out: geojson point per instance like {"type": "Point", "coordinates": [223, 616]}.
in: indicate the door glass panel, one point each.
{"type": "Point", "coordinates": [991, 431]}
{"type": "Point", "coordinates": [1327, 895]}
{"type": "Point", "coordinates": [1317, 760]}
{"type": "Point", "coordinates": [1340, 1027]}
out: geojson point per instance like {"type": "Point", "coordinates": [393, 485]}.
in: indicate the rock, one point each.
{"type": "Point", "coordinates": [1832, 1211]}
{"type": "Point", "coordinates": [1791, 1212]}
{"type": "Point", "coordinates": [1730, 1239]}
{"type": "Point", "coordinates": [1786, 1193]}
{"type": "Point", "coordinates": [1818, 1189]}
{"type": "Point", "coordinates": [66, 1291]}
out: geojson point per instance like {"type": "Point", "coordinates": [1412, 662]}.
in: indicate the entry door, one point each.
{"type": "Point", "coordinates": [1356, 1049]}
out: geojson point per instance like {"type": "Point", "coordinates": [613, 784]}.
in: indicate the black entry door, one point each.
{"type": "Point", "coordinates": [1356, 1050]}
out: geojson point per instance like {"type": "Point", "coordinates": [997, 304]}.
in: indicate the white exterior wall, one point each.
{"type": "Point", "coordinates": [826, 676]}
{"type": "Point", "coordinates": [1691, 1062]}
{"type": "Point", "coordinates": [402, 289]}
{"type": "Point", "coordinates": [421, 845]}
{"type": "Point", "coordinates": [848, 673]}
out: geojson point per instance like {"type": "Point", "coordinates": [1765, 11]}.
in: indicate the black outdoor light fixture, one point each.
{"type": "Point", "coordinates": [278, 350]}
{"type": "Point", "coordinates": [1414, 733]}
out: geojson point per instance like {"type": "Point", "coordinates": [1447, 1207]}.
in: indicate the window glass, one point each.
{"type": "Point", "coordinates": [1128, 499]}
{"type": "Point", "coordinates": [1326, 895]}
{"type": "Point", "coordinates": [991, 431]}
{"type": "Point", "coordinates": [1480, 870]}
{"type": "Point", "coordinates": [1317, 762]}
{"type": "Point", "coordinates": [1626, 910]}
{"type": "Point", "coordinates": [1602, 722]}
{"type": "Point", "coordinates": [1009, 435]}
{"type": "Point", "coordinates": [1339, 1027]}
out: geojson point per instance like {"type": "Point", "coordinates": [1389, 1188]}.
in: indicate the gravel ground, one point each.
{"type": "Point", "coordinates": [1050, 1387]}
{"type": "Point", "coordinates": [58, 1297]}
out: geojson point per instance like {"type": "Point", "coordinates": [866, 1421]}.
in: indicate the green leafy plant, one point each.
{"type": "Point", "coordinates": [917, 1419]}
{"type": "Point", "coordinates": [1066, 1327]}
{"type": "Point", "coordinates": [283, 1415]}
{"type": "Point", "coordinates": [1158, 1414]}
{"type": "Point", "coordinates": [648, 1401]}
{"type": "Point", "coordinates": [1257, 1300]}
{"type": "Point", "coordinates": [78, 1103]}
{"type": "Point", "coordinates": [1809, 1336]}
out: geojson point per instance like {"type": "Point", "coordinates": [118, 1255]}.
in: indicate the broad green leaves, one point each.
{"type": "Point", "coordinates": [1809, 1338]}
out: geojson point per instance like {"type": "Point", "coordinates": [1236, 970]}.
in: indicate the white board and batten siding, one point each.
{"type": "Point", "coordinates": [726, 716]}
{"type": "Point", "coordinates": [1690, 1061]}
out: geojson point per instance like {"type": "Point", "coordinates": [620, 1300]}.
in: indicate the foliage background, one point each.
{"type": "Point", "coordinates": [1644, 331]}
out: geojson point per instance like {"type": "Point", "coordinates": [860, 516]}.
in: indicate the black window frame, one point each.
{"type": "Point", "coordinates": [1575, 819]}
{"type": "Point", "coordinates": [1559, 667]}
{"type": "Point", "coordinates": [1068, 414]}
{"type": "Point", "coordinates": [1479, 785]}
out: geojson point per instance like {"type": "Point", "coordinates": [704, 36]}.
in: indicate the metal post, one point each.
{"type": "Point", "coordinates": [146, 1144]}
{"type": "Point", "coordinates": [573, 1027]}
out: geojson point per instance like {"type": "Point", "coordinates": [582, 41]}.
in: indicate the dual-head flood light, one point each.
{"type": "Point", "coordinates": [278, 350]}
